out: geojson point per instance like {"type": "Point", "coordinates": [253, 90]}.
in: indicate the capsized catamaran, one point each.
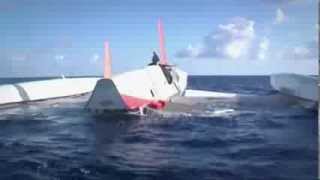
{"type": "Point", "coordinates": [152, 86]}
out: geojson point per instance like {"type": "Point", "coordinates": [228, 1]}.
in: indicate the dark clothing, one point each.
{"type": "Point", "coordinates": [155, 59]}
{"type": "Point", "coordinates": [166, 73]}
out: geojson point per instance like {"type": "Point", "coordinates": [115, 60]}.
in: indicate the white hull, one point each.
{"type": "Point", "coordinates": [140, 83]}
{"type": "Point", "coordinates": [303, 88]}
{"type": "Point", "coordinates": [137, 88]}
{"type": "Point", "coordinates": [45, 89]}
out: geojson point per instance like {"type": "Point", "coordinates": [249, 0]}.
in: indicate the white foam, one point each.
{"type": "Point", "coordinates": [213, 94]}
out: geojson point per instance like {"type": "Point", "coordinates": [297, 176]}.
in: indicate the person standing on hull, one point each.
{"type": "Point", "coordinates": [155, 59]}
{"type": "Point", "coordinates": [166, 71]}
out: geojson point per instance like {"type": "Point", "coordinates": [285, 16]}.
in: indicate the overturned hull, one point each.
{"type": "Point", "coordinates": [45, 89]}
{"type": "Point", "coordinates": [152, 86]}
{"type": "Point", "coordinates": [303, 88]}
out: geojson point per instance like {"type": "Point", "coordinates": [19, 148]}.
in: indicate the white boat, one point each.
{"type": "Point", "coordinates": [152, 86]}
{"type": "Point", "coordinates": [301, 87]}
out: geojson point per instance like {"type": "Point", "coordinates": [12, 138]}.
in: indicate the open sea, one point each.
{"type": "Point", "coordinates": [263, 136]}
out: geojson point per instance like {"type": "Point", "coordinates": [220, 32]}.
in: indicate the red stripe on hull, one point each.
{"type": "Point", "coordinates": [133, 103]}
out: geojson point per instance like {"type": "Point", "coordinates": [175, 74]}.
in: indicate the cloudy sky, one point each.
{"type": "Point", "coordinates": [225, 37]}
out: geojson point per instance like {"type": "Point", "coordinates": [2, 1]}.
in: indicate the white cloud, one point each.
{"type": "Point", "coordinates": [231, 41]}
{"type": "Point", "coordinates": [263, 48]}
{"type": "Point", "coordinates": [301, 51]}
{"type": "Point", "coordinates": [94, 59]}
{"type": "Point", "coordinates": [59, 57]}
{"type": "Point", "coordinates": [308, 51]}
{"type": "Point", "coordinates": [19, 57]}
{"type": "Point", "coordinates": [280, 16]}
{"type": "Point", "coordinates": [283, 2]}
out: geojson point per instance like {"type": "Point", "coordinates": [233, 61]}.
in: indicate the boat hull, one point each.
{"type": "Point", "coordinates": [45, 89]}
{"type": "Point", "coordinates": [136, 89]}
{"type": "Point", "coordinates": [303, 88]}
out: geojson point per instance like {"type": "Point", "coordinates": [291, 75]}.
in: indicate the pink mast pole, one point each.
{"type": "Point", "coordinates": [163, 54]}
{"type": "Point", "coordinates": [107, 61]}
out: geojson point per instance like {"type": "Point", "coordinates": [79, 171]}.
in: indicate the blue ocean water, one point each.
{"type": "Point", "coordinates": [58, 139]}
